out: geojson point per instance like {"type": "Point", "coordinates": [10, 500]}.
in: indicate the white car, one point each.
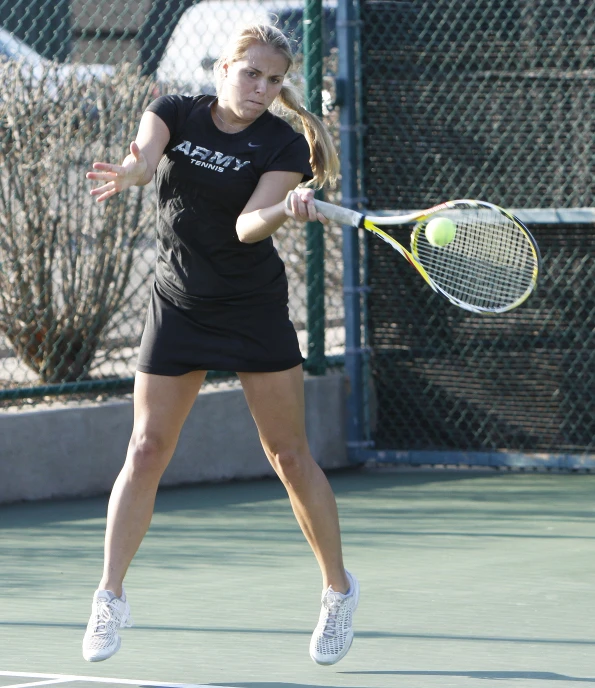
{"type": "Point", "coordinates": [204, 29]}
{"type": "Point", "coordinates": [35, 66]}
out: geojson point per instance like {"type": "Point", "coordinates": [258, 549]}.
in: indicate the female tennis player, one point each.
{"type": "Point", "coordinates": [223, 166]}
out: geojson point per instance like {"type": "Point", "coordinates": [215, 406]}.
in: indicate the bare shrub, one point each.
{"type": "Point", "coordinates": [65, 261]}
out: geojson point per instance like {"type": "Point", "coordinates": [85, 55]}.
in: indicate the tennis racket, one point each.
{"type": "Point", "coordinates": [490, 266]}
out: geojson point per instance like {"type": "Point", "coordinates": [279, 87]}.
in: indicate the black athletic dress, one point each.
{"type": "Point", "coordinates": [217, 303]}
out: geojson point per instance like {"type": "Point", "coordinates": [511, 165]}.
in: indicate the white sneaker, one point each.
{"type": "Point", "coordinates": [333, 635]}
{"type": "Point", "coordinates": [108, 614]}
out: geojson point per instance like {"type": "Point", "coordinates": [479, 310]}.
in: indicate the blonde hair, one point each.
{"type": "Point", "coordinates": [323, 155]}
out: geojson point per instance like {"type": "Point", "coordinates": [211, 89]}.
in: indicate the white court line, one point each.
{"type": "Point", "coordinates": [37, 683]}
{"type": "Point", "coordinates": [65, 678]}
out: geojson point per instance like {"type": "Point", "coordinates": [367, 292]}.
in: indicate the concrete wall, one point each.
{"type": "Point", "coordinates": [78, 451]}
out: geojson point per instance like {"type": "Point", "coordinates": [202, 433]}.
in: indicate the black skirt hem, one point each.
{"type": "Point", "coordinates": [251, 338]}
{"type": "Point", "coordinates": [235, 367]}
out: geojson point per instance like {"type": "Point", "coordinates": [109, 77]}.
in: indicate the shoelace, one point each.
{"type": "Point", "coordinates": [103, 617]}
{"type": "Point", "coordinates": [332, 603]}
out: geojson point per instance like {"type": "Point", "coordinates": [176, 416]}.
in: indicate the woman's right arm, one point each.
{"type": "Point", "coordinates": [137, 168]}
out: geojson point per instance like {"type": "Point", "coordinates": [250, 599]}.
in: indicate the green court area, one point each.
{"type": "Point", "coordinates": [468, 578]}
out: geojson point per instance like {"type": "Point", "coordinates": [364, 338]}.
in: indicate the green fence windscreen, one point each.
{"type": "Point", "coordinates": [443, 378]}
{"type": "Point", "coordinates": [479, 99]}
{"type": "Point", "coordinates": [492, 100]}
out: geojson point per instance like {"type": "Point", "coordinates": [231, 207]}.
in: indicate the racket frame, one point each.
{"type": "Point", "coordinates": [373, 224]}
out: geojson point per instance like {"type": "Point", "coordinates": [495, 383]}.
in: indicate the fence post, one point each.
{"type": "Point", "coordinates": [313, 56]}
{"type": "Point", "coordinates": [346, 96]}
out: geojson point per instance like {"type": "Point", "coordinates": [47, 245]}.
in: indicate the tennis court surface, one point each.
{"type": "Point", "coordinates": [468, 578]}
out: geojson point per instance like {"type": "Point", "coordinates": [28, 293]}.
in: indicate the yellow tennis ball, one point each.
{"type": "Point", "coordinates": [440, 231]}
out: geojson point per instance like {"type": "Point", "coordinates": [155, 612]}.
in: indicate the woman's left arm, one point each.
{"type": "Point", "coordinates": [266, 211]}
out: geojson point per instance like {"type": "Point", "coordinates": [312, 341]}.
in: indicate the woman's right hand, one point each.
{"type": "Point", "coordinates": [299, 204]}
{"type": "Point", "coordinates": [132, 172]}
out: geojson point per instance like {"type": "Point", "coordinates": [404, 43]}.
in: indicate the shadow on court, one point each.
{"type": "Point", "coordinates": [361, 635]}
{"type": "Point", "coordinates": [489, 675]}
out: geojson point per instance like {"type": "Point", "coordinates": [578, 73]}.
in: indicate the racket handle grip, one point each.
{"type": "Point", "coordinates": [337, 213]}
{"type": "Point", "coordinates": [344, 216]}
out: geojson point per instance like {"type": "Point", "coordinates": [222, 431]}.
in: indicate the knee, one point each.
{"type": "Point", "coordinates": [148, 456]}
{"type": "Point", "coordinates": [292, 465]}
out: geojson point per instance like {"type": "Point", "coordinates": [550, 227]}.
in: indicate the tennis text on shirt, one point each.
{"type": "Point", "coordinates": [211, 160]}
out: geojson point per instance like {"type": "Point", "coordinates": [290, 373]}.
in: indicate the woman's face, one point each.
{"type": "Point", "coordinates": [251, 84]}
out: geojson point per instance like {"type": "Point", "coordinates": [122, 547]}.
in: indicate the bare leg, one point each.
{"type": "Point", "coordinates": [161, 405]}
{"type": "Point", "coordinates": [276, 401]}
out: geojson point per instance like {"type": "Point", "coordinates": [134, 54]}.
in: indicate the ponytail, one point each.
{"type": "Point", "coordinates": [323, 155]}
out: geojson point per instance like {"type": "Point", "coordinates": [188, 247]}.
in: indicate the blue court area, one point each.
{"type": "Point", "coordinates": [468, 578]}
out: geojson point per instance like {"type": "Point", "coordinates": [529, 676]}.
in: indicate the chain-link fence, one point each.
{"type": "Point", "coordinates": [489, 100]}
{"type": "Point", "coordinates": [75, 78]}
{"type": "Point", "coordinates": [445, 379]}
{"type": "Point", "coordinates": [479, 99]}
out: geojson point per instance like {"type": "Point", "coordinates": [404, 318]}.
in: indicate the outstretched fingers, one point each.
{"type": "Point", "coordinates": [104, 192]}
{"type": "Point", "coordinates": [105, 170]}
{"type": "Point", "coordinates": [116, 177]}
{"type": "Point", "coordinates": [109, 173]}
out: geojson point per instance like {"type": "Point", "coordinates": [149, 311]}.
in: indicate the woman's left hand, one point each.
{"type": "Point", "coordinates": [301, 206]}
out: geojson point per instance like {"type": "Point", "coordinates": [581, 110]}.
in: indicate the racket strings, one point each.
{"type": "Point", "coordinates": [489, 265]}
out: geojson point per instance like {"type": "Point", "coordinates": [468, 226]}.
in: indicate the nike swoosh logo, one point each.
{"type": "Point", "coordinates": [254, 145]}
